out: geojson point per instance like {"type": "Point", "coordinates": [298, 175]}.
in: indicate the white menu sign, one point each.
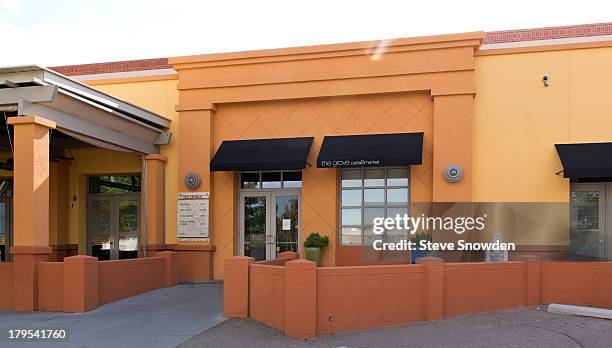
{"type": "Point", "coordinates": [192, 216]}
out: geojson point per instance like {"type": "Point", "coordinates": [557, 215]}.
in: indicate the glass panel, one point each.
{"type": "Point", "coordinates": [351, 235]}
{"type": "Point", "coordinates": [287, 223]}
{"type": "Point", "coordinates": [397, 177]}
{"type": "Point", "coordinates": [392, 212]}
{"type": "Point", "coordinates": [114, 184]}
{"type": "Point", "coordinates": [255, 227]}
{"type": "Point", "coordinates": [374, 177]}
{"type": "Point", "coordinates": [351, 198]}
{"type": "Point", "coordinates": [3, 232]}
{"type": "Point", "coordinates": [351, 216]}
{"type": "Point", "coordinates": [395, 235]}
{"type": "Point", "coordinates": [351, 177]}
{"type": "Point", "coordinates": [100, 225]}
{"type": "Point", "coordinates": [271, 180]}
{"type": "Point", "coordinates": [370, 213]}
{"type": "Point", "coordinates": [397, 195]}
{"type": "Point", "coordinates": [128, 228]}
{"type": "Point", "coordinates": [586, 242]}
{"type": "Point", "coordinates": [369, 236]}
{"type": "Point", "coordinates": [6, 187]}
{"type": "Point", "coordinates": [292, 179]}
{"type": "Point", "coordinates": [373, 196]}
{"type": "Point", "coordinates": [249, 180]}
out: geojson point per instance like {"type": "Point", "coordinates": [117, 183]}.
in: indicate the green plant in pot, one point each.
{"type": "Point", "coordinates": [313, 244]}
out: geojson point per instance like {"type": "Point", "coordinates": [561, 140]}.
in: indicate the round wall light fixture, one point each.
{"type": "Point", "coordinates": [192, 181]}
{"type": "Point", "coordinates": [453, 173]}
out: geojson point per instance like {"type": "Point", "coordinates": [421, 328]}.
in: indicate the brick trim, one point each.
{"type": "Point", "coordinates": [113, 67]}
{"type": "Point", "coordinates": [550, 33]}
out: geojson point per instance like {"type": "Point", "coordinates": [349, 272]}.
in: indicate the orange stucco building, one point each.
{"type": "Point", "coordinates": [247, 153]}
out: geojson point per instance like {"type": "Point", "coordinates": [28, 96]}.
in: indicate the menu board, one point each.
{"type": "Point", "coordinates": [192, 216]}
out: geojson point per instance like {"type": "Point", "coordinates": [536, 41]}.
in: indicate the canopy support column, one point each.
{"type": "Point", "coordinates": [31, 206]}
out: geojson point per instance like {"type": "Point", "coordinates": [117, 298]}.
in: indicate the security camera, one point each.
{"type": "Point", "coordinates": [545, 79]}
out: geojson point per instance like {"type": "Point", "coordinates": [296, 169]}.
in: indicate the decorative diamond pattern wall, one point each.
{"type": "Point", "coordinates": [362, 114]}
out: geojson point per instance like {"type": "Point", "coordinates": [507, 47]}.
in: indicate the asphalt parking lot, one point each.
{"type": "Point", "coordinates": [523, 327]}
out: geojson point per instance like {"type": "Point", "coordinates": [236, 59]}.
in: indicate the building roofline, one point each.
{"type": "Point", "coordinates": [534, 38]}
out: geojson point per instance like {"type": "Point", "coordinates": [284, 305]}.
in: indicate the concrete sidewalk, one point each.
{"type": "Point", "coordinates": [160, 318]}
{"type": "Point", "coordinates": [523, 327]}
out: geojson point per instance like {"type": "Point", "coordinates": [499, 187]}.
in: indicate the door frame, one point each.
{"type": "Point", "coordinates": [114, 216]}
{"type": "Point", "coordinates": [605, 211]}
{"type": "Point", "coordinates": [270, 195]}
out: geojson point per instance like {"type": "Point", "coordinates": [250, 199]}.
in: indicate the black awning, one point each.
{"type": "Point", "coordinates": [374, 150]}
{"type": "Point", "coordinates": [262, 154]}
{"type": "Point", "coordinates": [588, 160]}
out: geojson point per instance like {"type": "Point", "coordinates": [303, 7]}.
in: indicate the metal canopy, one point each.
{"type": "Point", "coordinates": [80, 111]}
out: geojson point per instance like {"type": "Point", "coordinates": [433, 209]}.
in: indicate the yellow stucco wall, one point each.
{"type": "Point", "coordinates": [517, 121]}
{"type": "Point", "coordinates": [92, 161]}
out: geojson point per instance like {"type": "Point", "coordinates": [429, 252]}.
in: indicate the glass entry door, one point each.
{"type": "Point", "coordinates": [591, 222]}
{"type": "Point", "coordinates": [113, 226]}
{"type": "Point", "coordinates": [269, 223]}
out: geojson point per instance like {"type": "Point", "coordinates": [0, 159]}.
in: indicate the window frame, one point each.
{"type": "Point", "coordinates": [261, 172]}
{"type": "Point", "coordinates": [384, 205]}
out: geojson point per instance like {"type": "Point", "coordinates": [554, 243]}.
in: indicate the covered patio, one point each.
{"type": "Point", "coordinates": [51, 129]}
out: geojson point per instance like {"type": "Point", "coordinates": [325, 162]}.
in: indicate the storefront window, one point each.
{"type": "Point", "coordinates": [366, 194]}
{"type": "Point", "coordinates": [270, 180]}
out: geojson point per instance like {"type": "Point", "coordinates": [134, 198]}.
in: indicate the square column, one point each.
{"type": "Point", "coordinates": [31, 206]}
{"type": "Point", "coordinates": [453, 114]}
{"type": "Point", "coordinates": [155, 200]}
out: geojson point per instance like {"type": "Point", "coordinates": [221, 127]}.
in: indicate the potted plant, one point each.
{"type": "Point", "coordinates": [313, 244]}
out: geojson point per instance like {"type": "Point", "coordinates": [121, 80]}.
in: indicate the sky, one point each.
{"type": "Point", "coordinates": [63, 32]}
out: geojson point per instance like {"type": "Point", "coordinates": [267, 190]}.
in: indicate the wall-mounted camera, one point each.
{"type": "Point", "coordinates": [453, 173]}
{"type": "Point", "coordinates": [545, 79]}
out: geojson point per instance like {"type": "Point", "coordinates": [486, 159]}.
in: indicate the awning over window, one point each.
{"type": "Point", "coordinates": [262, 154]}
{"type": "Point", "coordinates": [589, 160]}
{"type": "Point", "coordinates": [374, 150]}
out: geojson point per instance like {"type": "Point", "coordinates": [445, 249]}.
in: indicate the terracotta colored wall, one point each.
{"type": "Point", "coordinates": [194, 262]}
{"type": "Point", "coordinates": [369, 114]}
{"type": "Point", "coordinates": [267, 295]}
{"type": "Point", "coordinates": [324, 90]}
{"type": "Point", "coordinates": [124, 278]}
{"type": "Point", "coordinates": [578, 283]}
{"type": "Point", "coordinates": [483, 287]}
{"type": "Point", "coordinates": [50, 286]}
{"type": "Point", "coordinates": [353, 298]}
{"type": "Point", "coordinates": [361, 297]}
{"type": "Point", "coordinates": [6, 290]}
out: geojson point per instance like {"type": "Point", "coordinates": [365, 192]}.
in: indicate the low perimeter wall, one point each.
{"type": "Point", "coordinates": [6, 285]}
{"type": "Point", "coordinates": [82, 283]}
{"type": "Point", "coordinates": [305, 301]}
